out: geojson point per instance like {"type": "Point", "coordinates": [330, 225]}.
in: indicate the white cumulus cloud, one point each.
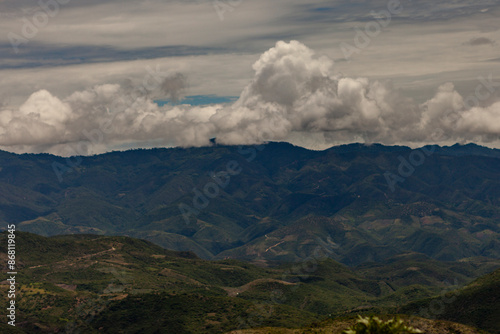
{"type": "Point", "coordinates": [293, 91]}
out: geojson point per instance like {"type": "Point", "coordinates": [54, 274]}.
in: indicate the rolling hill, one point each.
{"type": "Point", "coordinates": [121, 284]}
{"type": "Point", "coordinates": [477, 304]}
{"type": "Point", "coordinates": [92, 283]}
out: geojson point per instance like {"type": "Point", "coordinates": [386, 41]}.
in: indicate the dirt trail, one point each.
{"type": "Point", "coordinates": [233, 292]}
{"type": "Point", "coordinates": [112, 249]}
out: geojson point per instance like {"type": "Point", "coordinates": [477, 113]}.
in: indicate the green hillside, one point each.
{"type": "Point", "coordinates": [92, 283]}
{"type": "Point", "coordinates": [477, 304]}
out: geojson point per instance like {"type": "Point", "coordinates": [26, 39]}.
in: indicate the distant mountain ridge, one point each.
{"type": "Point", "coordinates": [267, 203]}
{"type": "Point", "coordinates": [467, 150]}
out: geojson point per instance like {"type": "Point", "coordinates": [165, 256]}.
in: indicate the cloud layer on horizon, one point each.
{"type": "Point", "coordinates": [94, 42]}
{"type": "Point", "coordinates": [294, 91]}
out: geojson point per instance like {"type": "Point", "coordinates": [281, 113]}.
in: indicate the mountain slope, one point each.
{"type": "Point", "coordinates": [237, 202]}
{"type": "Point", "coordinates": [121, 284]}
{"type": "Point", "coordinates": [477, 304]}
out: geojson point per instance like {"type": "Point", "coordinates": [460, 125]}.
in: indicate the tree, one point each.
{"type": "Point", "coordinates": [374, 325]}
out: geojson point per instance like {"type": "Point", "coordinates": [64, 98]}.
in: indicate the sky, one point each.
{"type": "Point", "coordinates": [87, 77]}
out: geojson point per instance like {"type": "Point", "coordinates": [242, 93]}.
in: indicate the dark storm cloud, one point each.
{"type": "Point", "coordinates": [476, 41]}
{"type": "Point", "coordinates": [174, 86]}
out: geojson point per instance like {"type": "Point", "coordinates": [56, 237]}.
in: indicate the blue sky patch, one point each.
{"type": "Point", "coordinates": [199, 100]}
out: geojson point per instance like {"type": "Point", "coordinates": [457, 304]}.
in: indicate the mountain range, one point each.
{"type": "Point", "coordinates": [268, 204]}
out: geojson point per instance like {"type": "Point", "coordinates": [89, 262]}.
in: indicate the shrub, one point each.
{"type": "Point", "coordinates": [374, 325]}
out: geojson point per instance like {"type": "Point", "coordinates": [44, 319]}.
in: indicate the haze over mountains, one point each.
{"type": "Point", "coordinates": [274, 202]}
